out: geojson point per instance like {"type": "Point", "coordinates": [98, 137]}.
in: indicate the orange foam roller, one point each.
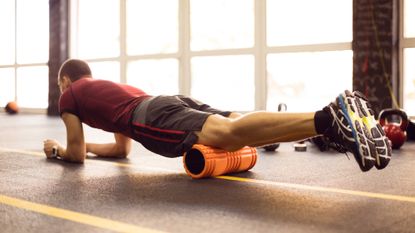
{"type": "Point", "coordinates": [205, 161]}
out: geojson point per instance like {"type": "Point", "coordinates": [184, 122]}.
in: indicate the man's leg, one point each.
{"type": "Point", "coordinates": [256, 128]}
{"type": "Point", "coordinates": [348, 123]}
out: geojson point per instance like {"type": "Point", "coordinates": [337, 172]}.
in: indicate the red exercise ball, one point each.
{"type": "Point", "coordinates": [12, 107]}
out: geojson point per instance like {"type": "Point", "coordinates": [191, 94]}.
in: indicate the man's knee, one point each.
{"type": "Point", "coordinates": [219, 131]}
{"type": "Point", "coordinates": [217, 126]}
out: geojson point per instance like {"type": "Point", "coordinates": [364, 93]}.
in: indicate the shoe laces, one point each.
{"type": "Point", "coordinates": [340, 148]}
{"type": "Point", "coordinates": [335, 145]}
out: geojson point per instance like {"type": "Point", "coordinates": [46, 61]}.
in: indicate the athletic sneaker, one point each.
{"type": "Point", "coordinates": [348, 132]}
{"type": "Point", "coordinates": [382, 144]}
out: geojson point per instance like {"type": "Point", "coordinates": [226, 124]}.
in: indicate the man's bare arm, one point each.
{"type": "Point", "coordinates": [120, 149]}
{"type": "Point", "coordinates": [76, 148]}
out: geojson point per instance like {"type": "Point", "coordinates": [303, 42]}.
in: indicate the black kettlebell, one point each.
{"type": "Point", "coordinates": [394, 122]}
{"type": "Point", "coordinates": [282, 107]}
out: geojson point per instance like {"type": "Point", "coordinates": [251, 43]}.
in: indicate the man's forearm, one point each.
{"type": "Point", "coordinates": [63, 153]}
{"type": "Point", "coordinates": [106, 150]}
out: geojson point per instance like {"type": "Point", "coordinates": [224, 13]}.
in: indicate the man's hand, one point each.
{"type": "Point", "coordinates": [51, 148]}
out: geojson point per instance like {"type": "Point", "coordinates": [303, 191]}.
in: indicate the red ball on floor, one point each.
{"type": "Point", "coordinates": [12, 107]}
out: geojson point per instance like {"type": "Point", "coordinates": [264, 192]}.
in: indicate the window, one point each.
{"type": "Point", "coordinates": [108, 70]}
{"type": "Point", "coordinates": [221, 24]}
{"type": "Point", "coordinates": [32, 86]}
{"type": "Point", "coordinates": [226, 28]}
{"type": "Point", "coordinates": [155, 76]}
{"type": "Point", "coordinates": [98, 29]}
{"type": "Point", "coordinates": [299, 22]}
{"type": "Point", "coordinates": [224, 82]}
{"type": "Point", "coordinates": [408, 55]}
{"type": "Point", "coordinates": [307, 50]}
{"type": "Point", "coordinates": [409, 19]}
{"type": "Point", "coordinates": [152, 44]}
{"type": "Point", "coordinates": [33, 23]}
{"type": "Point", "coordinates": [7, 85]}
{"type": "Point", "coordinates": [223, 52]}
{"type": "Point", "coordinates": [136, 41]}
{"type": "Point", "coordinates": [307, 81]}
{"type": "Point", "coordinates": [152, 29]}
{"type": "Point", "coordinates": [7, 39]}
{"type": "Point", "coordinates": [24, 52]}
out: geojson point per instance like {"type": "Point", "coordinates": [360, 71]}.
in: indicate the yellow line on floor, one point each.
{"type": "Point", "coordinates": [22, 151]}
{"type": "Point", "coordinates": [273, 183]}
{"type": "Point", "coordinates": [323, 189]}
{"type": "Point", "coordinates": [73, 216]}
{"type": "Point", "coordinates": [36, 153]}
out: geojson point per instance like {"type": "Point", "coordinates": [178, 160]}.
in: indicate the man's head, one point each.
{"type": "Point", "coordinates": [72, 70]}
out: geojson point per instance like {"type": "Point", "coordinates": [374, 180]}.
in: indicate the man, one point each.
{"type": "Point", "coordinates": [170, 125]}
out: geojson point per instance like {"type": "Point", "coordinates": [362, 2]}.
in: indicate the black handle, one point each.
{"type": "Point", "coordinates": [384, 114]}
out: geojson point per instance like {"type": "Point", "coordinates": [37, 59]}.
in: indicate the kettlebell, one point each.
{"type": "Point", "coordinates": [394, 122]}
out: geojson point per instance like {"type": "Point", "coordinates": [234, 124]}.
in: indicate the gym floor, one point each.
{"type": "Point", "coordinates": [286, 191]}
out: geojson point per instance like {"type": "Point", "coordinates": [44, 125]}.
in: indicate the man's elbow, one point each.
{"type": "Point", "coordinates": [73, 160]}
{"type": "Point", "coordinates": [124, 153]}
{"type": "Point", "coordinates": [76, 158]}
{"type": "Point", "coordinates": [79, 160]}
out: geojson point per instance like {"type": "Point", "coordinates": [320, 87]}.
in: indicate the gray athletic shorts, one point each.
{"type": "Point", "coordinates": [166, 125]}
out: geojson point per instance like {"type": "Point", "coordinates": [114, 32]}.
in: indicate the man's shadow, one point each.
{"type": "Point", "coordinates": [147, 190]}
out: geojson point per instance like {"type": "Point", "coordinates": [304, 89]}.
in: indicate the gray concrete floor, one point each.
{"type": "Point", "coordinates": [286, 191]}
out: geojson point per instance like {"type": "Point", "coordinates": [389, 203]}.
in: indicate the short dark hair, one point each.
{"type": "Point", "coordinates": [74, 69]}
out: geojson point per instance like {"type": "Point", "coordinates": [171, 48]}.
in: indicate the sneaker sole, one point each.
{"type": "Point", "coordinates": [365, 154]}
{"type": "Point", "coordinates": [383, 147]}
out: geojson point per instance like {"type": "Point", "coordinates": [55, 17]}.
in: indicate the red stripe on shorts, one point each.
{"type": "Point", "coordinates": [159, 130]}
{"type": "Point", "coordinates": [157, 138]}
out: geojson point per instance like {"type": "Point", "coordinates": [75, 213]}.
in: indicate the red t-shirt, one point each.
{"type": "Point", "coordinates": [102, 104]}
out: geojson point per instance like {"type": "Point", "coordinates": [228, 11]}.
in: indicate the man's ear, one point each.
{"type": "Point", "coordinates": [67, 79]}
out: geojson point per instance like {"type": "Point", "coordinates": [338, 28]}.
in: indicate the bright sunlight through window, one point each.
{"type": "Point", "coordinates": [221, 24]}
{"type": "Point", "coordinates": [152, 29]}
{"type": "Point", "coordinates": [24, 52]}
{"type": "Point", "coordinates": [307, 81]}
{"type": "Point", "coordinates": [297, 22]}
